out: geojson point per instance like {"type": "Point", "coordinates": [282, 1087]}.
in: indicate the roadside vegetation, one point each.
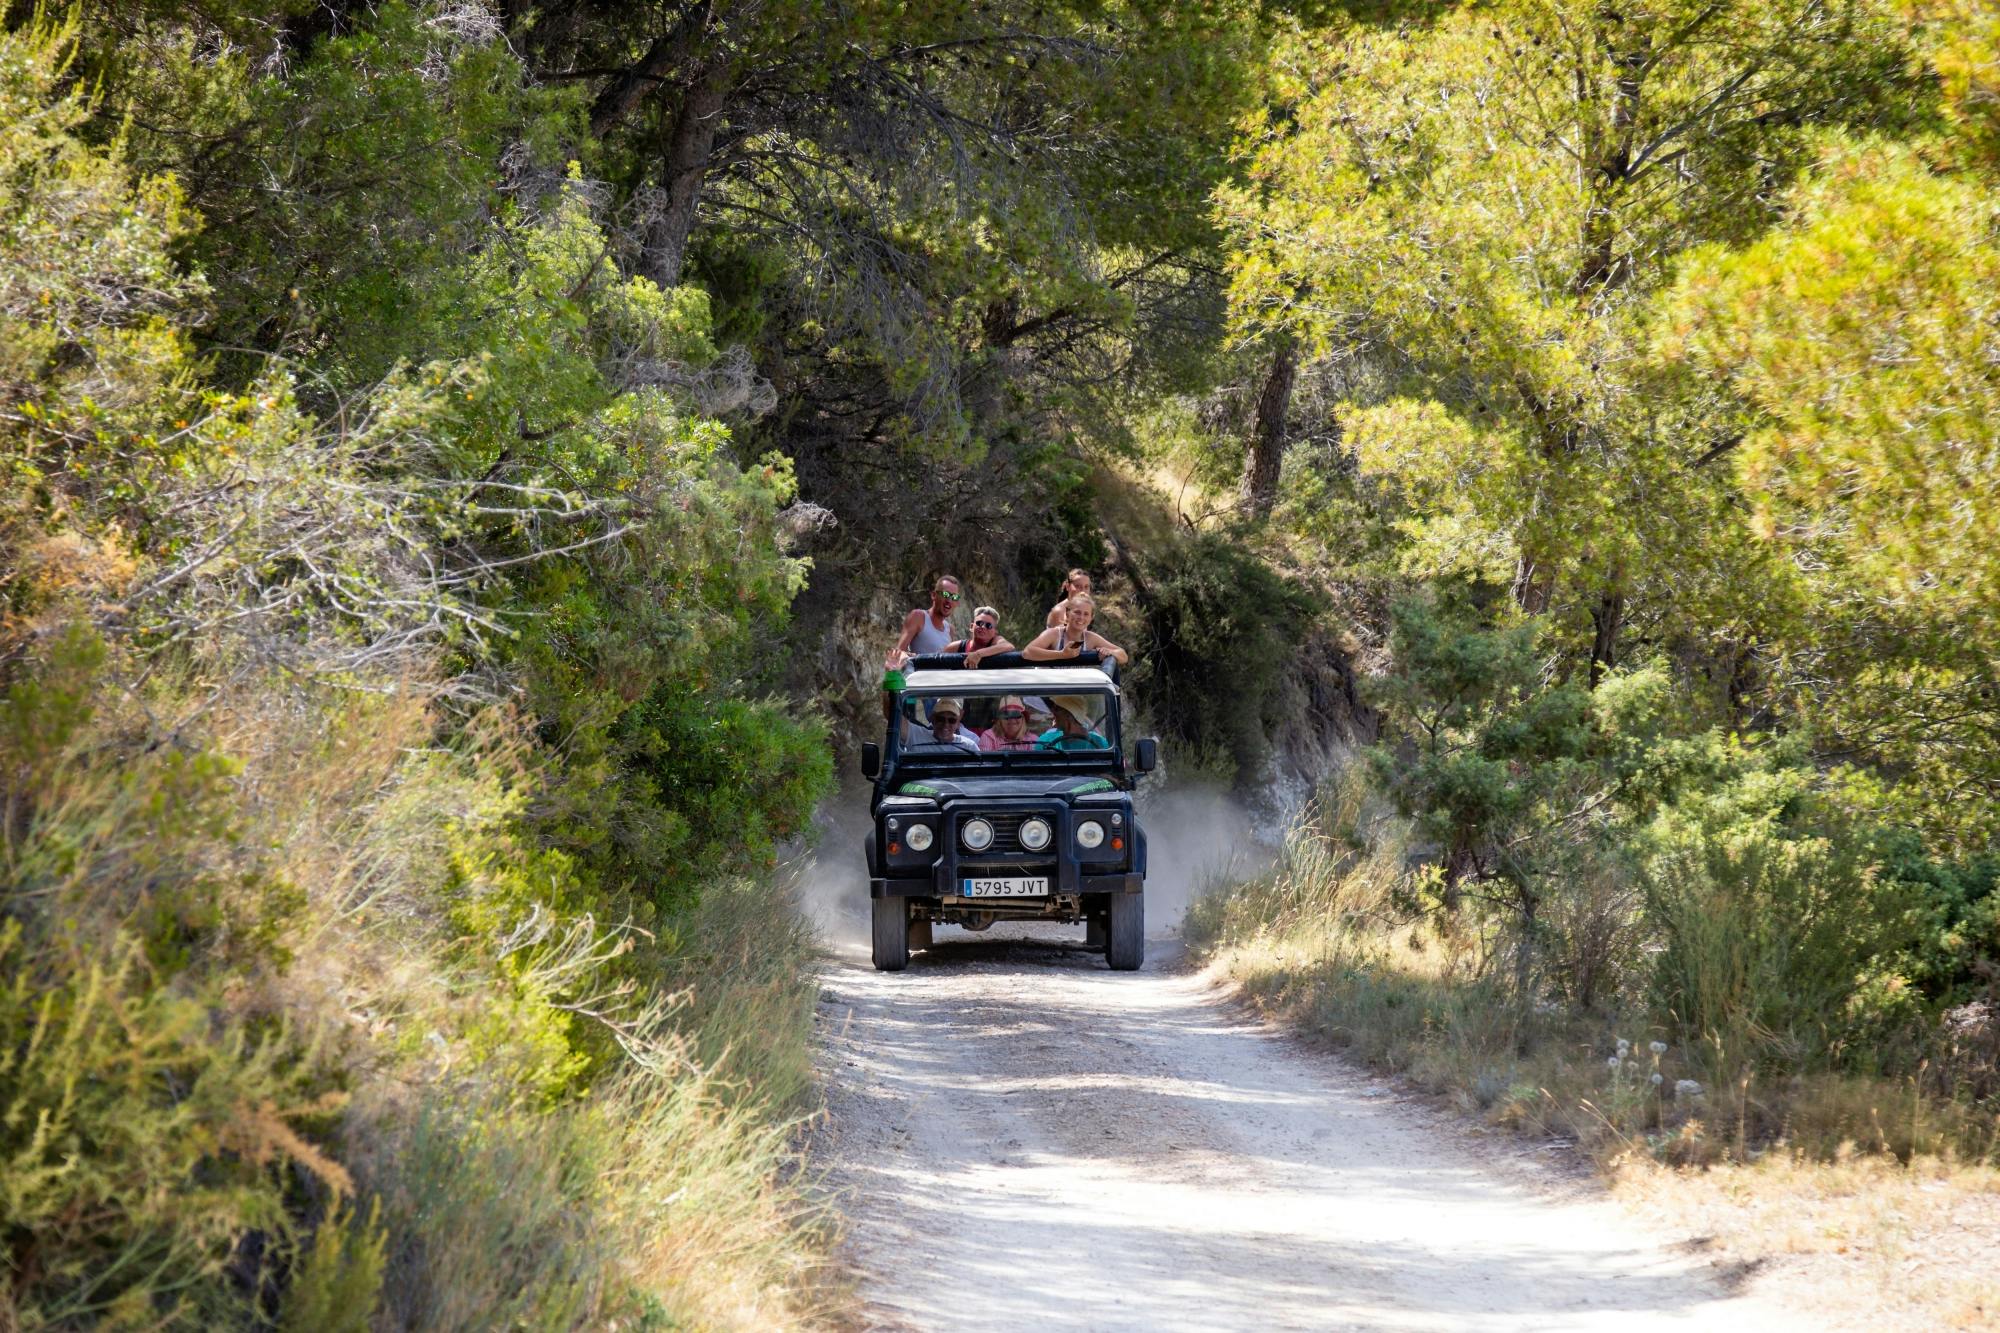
{"type": "Point", "coordinates": [373, 954]}
{"type": "Point", "coordinates": [1641, 364]}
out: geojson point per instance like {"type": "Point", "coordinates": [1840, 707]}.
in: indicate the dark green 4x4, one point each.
{"type": "Point", "coordinates": [1006, 817]}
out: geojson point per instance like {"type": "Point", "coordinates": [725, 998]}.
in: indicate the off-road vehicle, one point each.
{"type": "Point", "coordinates": [1045, 832]}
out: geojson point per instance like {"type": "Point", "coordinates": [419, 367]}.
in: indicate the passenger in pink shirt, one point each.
{"type": "Point", "coordinates": [1010, 728]}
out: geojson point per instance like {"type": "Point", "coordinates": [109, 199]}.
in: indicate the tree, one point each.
{"type": "Point", "coordinates": [1484, 208]}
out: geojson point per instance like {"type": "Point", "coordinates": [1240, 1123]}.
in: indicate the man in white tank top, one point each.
{"type": "Point", "coordinates": [928, 628]}
{"type": "Point", "coordinates": [925, 630]}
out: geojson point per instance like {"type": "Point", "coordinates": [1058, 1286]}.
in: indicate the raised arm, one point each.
{"type": "Point", "coordinates": [911, 623]}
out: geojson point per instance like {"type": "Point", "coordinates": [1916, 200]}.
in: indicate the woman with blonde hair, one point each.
{"type": "Point", "coordinates": [985, 640]}
{"type": "Point", "coordinates": [1073, 636]}
{"type": "Point", "coordinates": [1010, 727]}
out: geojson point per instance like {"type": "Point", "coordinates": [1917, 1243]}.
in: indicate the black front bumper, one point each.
{"type": "Point", "coordinates": [926, 886]}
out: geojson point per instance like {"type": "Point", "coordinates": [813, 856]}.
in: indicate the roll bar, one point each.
{"type": "Point", "coordinates": [956, 661]}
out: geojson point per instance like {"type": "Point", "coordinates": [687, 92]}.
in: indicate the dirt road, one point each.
{"type": "Point", "coordinates": [1024, 1140]}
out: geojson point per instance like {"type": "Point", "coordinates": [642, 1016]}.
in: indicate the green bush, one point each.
{"type": "Point", "coordinates": [1221, 626]}
{"type": "Point", "coordinates": [1776, 919]}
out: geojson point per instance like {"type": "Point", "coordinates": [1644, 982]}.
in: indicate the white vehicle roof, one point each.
{"type": "Point", "coordinates": [1012, 680]}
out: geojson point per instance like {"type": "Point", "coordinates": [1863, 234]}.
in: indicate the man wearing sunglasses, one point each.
{"type": "Point", "coordinates": [985, 640]}
{"type": "Point", "coordinates": [928, 628]}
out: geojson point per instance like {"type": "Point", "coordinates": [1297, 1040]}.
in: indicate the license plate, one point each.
{"type": "Point", "coordinates": [1006, 888]}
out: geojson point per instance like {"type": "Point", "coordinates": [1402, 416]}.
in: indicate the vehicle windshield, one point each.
{"type": "Point", "coordinates": [933, 725]}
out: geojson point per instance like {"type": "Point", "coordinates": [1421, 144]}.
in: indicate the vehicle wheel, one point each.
{"type": "Point", "coordinates": [1126, 947]}
{"type": "Point", "coordinates": [891, 944]}
{"type": "Point", "coordinates": [920, 932]}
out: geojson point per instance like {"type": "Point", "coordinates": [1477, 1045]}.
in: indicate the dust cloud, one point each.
{"type": "Point", "coordinates": [1198, 837]}
{"type": "Point", "coordinates": [830, 878]}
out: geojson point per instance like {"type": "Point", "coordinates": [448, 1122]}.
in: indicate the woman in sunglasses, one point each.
{"type": "Point", "coordinates": [984, 641]}
{"type": "Point", "coordinates": [1010, 728]}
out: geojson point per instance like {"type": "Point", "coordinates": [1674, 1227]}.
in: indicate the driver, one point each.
{"type": "Point", "coordinates": [944, 729]}
{"type": "Point", "coordinates": [1072, 729]}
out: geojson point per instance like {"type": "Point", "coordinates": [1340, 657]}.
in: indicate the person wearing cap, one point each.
{"type": "Point", "coordinates": [1072, 729]}
{"type": "Point", "coordinates": [985, 640]}
{"type": "Point", "coordinates": [1010, 727]}
{"type": "Point", "coordinates": [944, 728]}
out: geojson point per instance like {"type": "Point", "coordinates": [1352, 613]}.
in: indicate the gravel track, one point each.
{"type": "Point", "coordinates": [1022, 1139]}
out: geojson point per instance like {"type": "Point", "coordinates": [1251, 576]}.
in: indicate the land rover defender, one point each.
{"type": "Point", "coordinates": [976, 823]}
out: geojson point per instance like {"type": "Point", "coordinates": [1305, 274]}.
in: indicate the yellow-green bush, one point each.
{"type": "Point", "coordinates": [305, 1022]}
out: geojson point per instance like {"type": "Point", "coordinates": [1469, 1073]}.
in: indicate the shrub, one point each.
{"type": "Point", "coordinates": [1221, 627]}
{"type": "Point", "coordinates": [1776, 919]}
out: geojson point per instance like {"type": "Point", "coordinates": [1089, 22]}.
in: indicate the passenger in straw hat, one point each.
{"type": "Point", "coordinates": [1072, 729]}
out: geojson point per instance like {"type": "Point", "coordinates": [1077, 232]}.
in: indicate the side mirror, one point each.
{"type": "Point", "coordinates": [871, 759]}
{"type": "Point", "coordinates": [1145, 754]}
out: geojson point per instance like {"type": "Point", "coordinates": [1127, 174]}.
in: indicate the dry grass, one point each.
{"type": "Point", "coordinates": [1860, 1239]}
{"type": "Point", "coordinates": [304, 896]}
{"type": "Point", "coordinates": [1861, 1196]}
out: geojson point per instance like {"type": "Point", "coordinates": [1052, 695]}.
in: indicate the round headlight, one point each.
{"type": "Point", "coordinates": [1035, 834]}
{"type": "Point", "coordinates": [919, 837]}
{"type": "Point", "coordinates": [1089, 833]}
{"type": "Point", "coordinates": [976, 834]}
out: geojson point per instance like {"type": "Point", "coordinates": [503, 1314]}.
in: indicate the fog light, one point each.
{"type": "Point", "coordinates": [976, 834]}
{"type": "Point", "coordinates": [1035, 834]}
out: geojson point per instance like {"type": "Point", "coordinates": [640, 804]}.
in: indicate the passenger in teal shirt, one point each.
{"type": "Point", "coordinates": [1071, 731]}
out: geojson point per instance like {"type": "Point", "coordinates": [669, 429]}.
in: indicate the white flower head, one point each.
{"type": "Point", "coordinates": [1686, 1090]}
{"type": "Point", "coordinates": [1611, 1063]}
{"type": "Point", "coordinates": [1657, 1047]}
{"type": "Point", "coordinates": [1658, 1078]}
{"type": "Point", "coordinates": [1624, 1046]}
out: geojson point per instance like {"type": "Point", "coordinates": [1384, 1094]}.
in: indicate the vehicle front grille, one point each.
{"type": "Point", "coordinates": [1006, 830]}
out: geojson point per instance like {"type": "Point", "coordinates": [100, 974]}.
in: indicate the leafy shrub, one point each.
{"type": "Point", "coordinates": [1221, 626]}
{"type": "Point", "coordinates": [278, 870]}
{"type": "Point", "coordinates": [1774, 915]}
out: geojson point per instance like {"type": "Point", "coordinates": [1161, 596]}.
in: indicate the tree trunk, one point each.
{"type": "Point", "coordinates": [1534, 583]}
{"type": "Point", "coordinates": [1608, 616]}
{"type": "Point", "coordinates": [673, 51]}
{"type": "Point", "coordinates": [683, 169]}
{"type": "Point", "coordinates": [1267, 439]}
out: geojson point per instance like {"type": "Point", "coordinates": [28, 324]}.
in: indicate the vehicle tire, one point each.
{"type": "Point", "coordinates": [891, 943]}
{"type": "Point", "coordinates": [920, 932]}
{"type": "Point", "coordinates": [1125, 947]}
